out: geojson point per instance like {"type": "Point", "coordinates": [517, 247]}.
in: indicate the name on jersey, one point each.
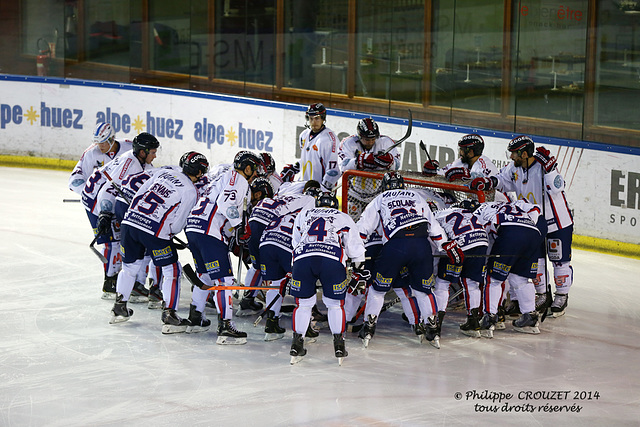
{"type": "Point", "coordinates": [400, 203]}
{"type": "Point", "coordinates": [161, 190]}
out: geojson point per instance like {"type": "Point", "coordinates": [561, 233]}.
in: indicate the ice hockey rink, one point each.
{"type": "Point", "coordinates": [63, 364]}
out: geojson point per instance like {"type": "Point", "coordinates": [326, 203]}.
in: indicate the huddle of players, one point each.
{"type": "Point", "coordinates": [397, 224]}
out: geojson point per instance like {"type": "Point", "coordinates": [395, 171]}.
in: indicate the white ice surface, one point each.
{"type": "Point", "coordinates": [62, 364]}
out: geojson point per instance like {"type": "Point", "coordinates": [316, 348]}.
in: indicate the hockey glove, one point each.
{"type": "Point", "coordinates": [484, 184]}
{"type": "Point", "coordinates": [455, 254]}
{"type": "Point", "coordinates": [544, 157]}
{"type": "Point", "coordinates": [383, 161]}
{"type": "Point", "coordinates": [457, 173]}
{"type": "Point", "coordinates": [366, 161]}
{"type": "Point", "coordinates": [243, 234]}
{"type": "Point", "coordinates": [289, 172]}
{"type": "Point", "coordinates": [103, 227]}
{"type": "Point", "coordinates": [359, 279]}
{"type": "Point", "coordinates": [430, 168]}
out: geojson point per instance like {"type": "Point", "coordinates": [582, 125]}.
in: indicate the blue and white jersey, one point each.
{"type": "Point", "coordinates": [463, 227]}
{"type": "Point", "coordinates": [268, 210]}
{"type": "Point", "coordinates": [328, 233]}
{"type": "Point", "coordinates": [501, 214]}
{"type": "Point", "coordinates": [220, 208]}
{"type": "Point", "coordinates": [161, 206]}
{"type": "Point", "coordinates": [319, 157]}
{"type": "Point", "coordinates": [279, 232]}
{"type": "Point", "coordinates": [98, 194]}
{"type": "Point", "coordinates": [93, 159]}
{"type": "Point", "coordinates": [397, 210]}
{"type": "Point", "coordinates": [528, 184]}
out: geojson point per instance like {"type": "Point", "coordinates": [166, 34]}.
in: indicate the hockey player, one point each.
{"type": "Point", "coordinates": [533, 175]}
{"type": "Point", "coordinates": [407, 223]}
{"type": "Point", "coordinates": [268, 171]}
{"type": "Point", "coordinates": [462, 226]}
{"type": "Point", "coordinates": [98, 199]}
{"type": "Point", "coordinates": [323, 239]}
{"type": "Point", "coordinates": [219, 214]}
{"type": "Point", "coordinates": [365, 151]}
{"type": "Point", "coordinates": [103, 149]}
{"type": "Point", "coordinates": [517, 229]}
{"type": "Point", "coordinates": [319, 148]}
{"type": "Point", "coordinates": [157, 213]}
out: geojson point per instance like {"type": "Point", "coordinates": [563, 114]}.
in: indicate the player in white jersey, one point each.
{"type": "Point", "coordinates": [408, 226]}
{"type": "Point", "coordinates": [267, 210]}
{"type": "Point", "coordinates": [268, 171]}
{"type": "Point", "coordinates": [533, 176]}
{"type": "Point", "coordinates": [103, 149]}
{"type": "Point", "coordinates": [517, 230]}
{"type": "Point", "coordinates": [98, 199]}
{"type": "Point", "coordinates": [462, 226]}
{"type": "Point", "coordinates": [219, 214]}
{"type": "Point", "coordinates": [365, 151]}
{"type": "Point", "coordinates": [158, 212]}
{"type": "Point", "coordinates": [323, 239]}
{"type": "Point", "coordinates": [319, 148]}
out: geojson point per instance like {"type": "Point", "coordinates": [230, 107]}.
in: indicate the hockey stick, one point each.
{"type": "Point", "coordinates": [546, 273]}
{"type": "Point", "coordinates": [240, 245]}
{"type": "Point", "coordinates": [406, 135]}
{"type": "Point", "coordinates": [97, 252]}
{"type": "Point", "coordinates": [281, 291]}
{"type": "Point", "coordinates": [386, 306]}
{"type": "Point", "coordinates": [424, 148]}
{"type": "Point", "coordinates": [117, 187]}
{"type": "Point", "coordinates": [71, 200]}
{"type": "Point", "coordinates": [191, 275]}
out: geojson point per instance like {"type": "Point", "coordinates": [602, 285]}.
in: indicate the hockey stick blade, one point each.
{"type": "Point", "coordinates": [191, 276]}
{"type": "Point", "coordinates": [406, 135]}
{"type": "Point", "coordinates": [261, 316]}
{"type": "Point", "coordinates": [97, 252]}
{"type": "Point", "coordinates": [423, 147]}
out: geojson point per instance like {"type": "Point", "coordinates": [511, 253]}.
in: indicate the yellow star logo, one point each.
{"type": "Point", "coordinates": [31, 115]}
{"type": "Point", "coordinates": [231, 136]}
{"type": "Point", "coordinates": [138, 125]}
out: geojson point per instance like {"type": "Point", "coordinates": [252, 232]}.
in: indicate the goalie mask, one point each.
{"type": "Point", "coordinates": [392, 181]}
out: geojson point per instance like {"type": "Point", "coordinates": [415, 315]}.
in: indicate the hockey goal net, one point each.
{"type": "Point", "coordinates": [360, 187]}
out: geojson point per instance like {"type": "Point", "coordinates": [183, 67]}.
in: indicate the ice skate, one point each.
{"type": "Point", "coordinates": [228, 334]}
{"type": "Point", "coordinates": [488, 325]}
{"type": "Point", "coordinates": [197, 321]}
{"type": "Point", "coordinates": [501, 319]}
{"type": "Point", "coordinates": [155, 298]}
{"type": "Point", "coordinates": [139, 293]}
{"type": "Point", "coordinates": [512, 309]}
{"type": "Point", "coordinates": [109, 287]}
{"type": "Point", "coordinates": [431, 331]}
{"type": "Point", "coordinates": [368, 329]}
{"type": "Point", "coordinates": [527, 323]}
{"type": "Point", "coordinates": [297, 348]}
{"type": "Point", "coordinates": [312, 334]}
{"type": "Point", "coordinates": [339, 348]}
{"type": "Point", "coordinates": [471, 327]}
{"type": "Point", "coordinates": [541, 303]}
{"type": "Point", "coordinates": [120, 313]}
{"type": "Point", "coordinates": [272, 329]}
{"type": "Point", "coordinates": [173, 324]}
{"type": "Point", "coordinates": [248, 307]}
{"type": "Point", "coordinates": [559, 304]}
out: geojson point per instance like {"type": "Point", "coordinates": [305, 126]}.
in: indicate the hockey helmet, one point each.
{"type": "Point", "coordinates": [145, 141]}
{"type": "Point", "coordinates": [468, 205]}
{"type": "Point", "coordinates": [316, 109]}
{"type": "Point", "coordinates": [368, 128]}
{"type": "Point", "coordinates": [268, 163]}
{"type": "Point", "coordinates": [312, 188]}
{"type": "Point", "coordinates": [392, 181]}
{"type": "Point", "coordinates": [263, 185]}
{"type": "Point", "coordinates": [193, 163]}
{"type": "Point", "coordinates": [327, 200]}
{"type": "Point", "coordinates": [246, 158]}
{"type": "Point", "coordinates": [472, 141]}
{"type": "Point", "coordinates": [103, 133]}
{"type": "Point", "coordinates": [520, 144]}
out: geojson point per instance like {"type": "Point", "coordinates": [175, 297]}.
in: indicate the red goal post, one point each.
{"type": "Point", "coordinates": [359, 187]}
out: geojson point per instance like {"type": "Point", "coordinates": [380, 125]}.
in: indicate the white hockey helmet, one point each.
{"type": "Point", "coordinates": [104, 133]}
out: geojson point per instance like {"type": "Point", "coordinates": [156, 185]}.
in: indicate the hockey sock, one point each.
{"type": "Point", "coordinates": [335, 314]}
{"type": "Point", "coordinates": [224, 303]}
{"type": "Point", "coordinates": [492, 294]}
{"type": "Point", "coordinates": [540, 281]}
{"type": "Point", "coordinates": [252, 278]}
{"type": "Point", "coordinates": [563, 276]}
{"type": "Point", "coordinates": [302, 314]}
{"type": "Point", "coordinates": [375, 300]}
{"type": "Point", "coordinates": [524, 291]}
{"type": "Point", "coordinates": [171, 285]}
{"type": "Point", "coordinates": [127, 278]}
{"type": "Point", "coordinates": [471, 294]}
{"type": "Point", "coordinates": [142, 273]}
{"type": "Point", "coordinates": [199, 298]}
{"type": "Point", "coordinates": [441, 292]}
{"type": "Point", "coordinates": [426, 302]}
{"type": "Point", "coordinates": [351, 305]}
{"type": "Point", "coordinates": [409, 305]}
{"type": "Point", "coordinates": [114, 258]}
